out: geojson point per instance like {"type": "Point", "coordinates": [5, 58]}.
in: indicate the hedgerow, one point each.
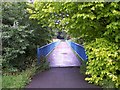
{"type": "Point", "coordinates": [20, 37]}
{"type": "Point", "coordinates": [103, 67]}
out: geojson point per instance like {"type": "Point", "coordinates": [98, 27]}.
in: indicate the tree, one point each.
{"type": "Point", "coordinates": [21, 36]}
{"type": "Point", "coordinates": [98, 24]}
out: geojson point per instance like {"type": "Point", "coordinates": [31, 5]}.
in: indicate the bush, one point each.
{"type": "Point", "coordinates": [21, 37]}
{"type": "Point", "coordinates": [44, 65]}
{"type": "Point", "coordinates": [83, 67]}
{"type": "Point", "coordinates": [15, 82]}
{"type": "Point", "coordinates": [21, 79]}
{"type": "Point", "coordinates": [103, 65]}
{"type": "Point", "coordinates": [15, 45]}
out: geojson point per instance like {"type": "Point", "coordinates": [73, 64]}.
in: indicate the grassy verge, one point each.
{"type": "Point", "coordinates": [18, 80]}
{"type": "Point", "coordinates": [21, 79]}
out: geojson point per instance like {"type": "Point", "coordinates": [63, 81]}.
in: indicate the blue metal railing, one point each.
{"type": "Point", "coordinates": [79, 49]}
{"type": "Point", "coordinates": [45, 50]}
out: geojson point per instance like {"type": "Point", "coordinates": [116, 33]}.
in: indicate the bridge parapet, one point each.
{"type": "Point", "coordinates": [79, 49]}
{"type": "Point", "coordinates": [45, 50]}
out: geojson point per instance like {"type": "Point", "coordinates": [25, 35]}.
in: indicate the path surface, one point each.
{"type": "Point", "coordinates": [60, 78]}
{"type": "Point", "coordinates": [63, 56]}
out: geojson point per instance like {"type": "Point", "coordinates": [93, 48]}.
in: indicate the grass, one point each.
{"type": "Point", "coordinates": [18, 80]}
{"type": "Point", "coordinates": [0, 82]}
{"type": "Point", "coordinates": [21, 79]}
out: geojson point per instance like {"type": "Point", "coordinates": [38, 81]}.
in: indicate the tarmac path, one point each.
{"type": "Point", "coordinates": [60, 78]}
{"type": "Point", "coordinates": [64, 71]}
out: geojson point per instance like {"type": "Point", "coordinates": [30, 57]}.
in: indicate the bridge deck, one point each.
{"type": "Point", "coordinates": [63, 56]}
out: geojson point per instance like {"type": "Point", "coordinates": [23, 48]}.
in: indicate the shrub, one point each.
{"type": "Point", "coordinates": [44, 64]}
{"type": "Point", "coordinates": [15, 45]}
{"type": "Point", "coordinates": [83, 67]}
{"type": "Point", "coordinates": [21, 36]}
{"type": "Point", "coordinates": [103, 65]}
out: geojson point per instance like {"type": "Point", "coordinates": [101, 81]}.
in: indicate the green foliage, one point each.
{"type": "Point", "coordinates": [83, 67]}
{"type": "Point", "coordinates": [86, 21]}
{"type": "Point", "coordinates": [18, 80]}
{"type": "Point", "coordinates": [44, 64]}
{"type": "Point", "coordinates": [90, 20]}
{"type": "Point", "coordinates": [47, 15]}
{"type": "Point", "coordinates": [15, 37]}
{"type": "Point", "coordinates": [15, 43]}
{"type": "Point", "coordinates": [103, 65]}
{"type": "Point", "coordinates": [95, 23]}
{"type": "Point", "coordinates": [14, 12]}
{"type": "Point", "coordinates": [81, 19]}
{"type": "Point", "coordinates": [21, 36]}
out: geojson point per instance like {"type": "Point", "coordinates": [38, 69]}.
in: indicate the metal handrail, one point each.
{"type": "Point", "coordinates": [46, 50]}
{"type": "Point", "coordinates": [79, 50]}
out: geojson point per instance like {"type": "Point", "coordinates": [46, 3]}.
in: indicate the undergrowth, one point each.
{"type": "Point", "coordinates": [21, 79]}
